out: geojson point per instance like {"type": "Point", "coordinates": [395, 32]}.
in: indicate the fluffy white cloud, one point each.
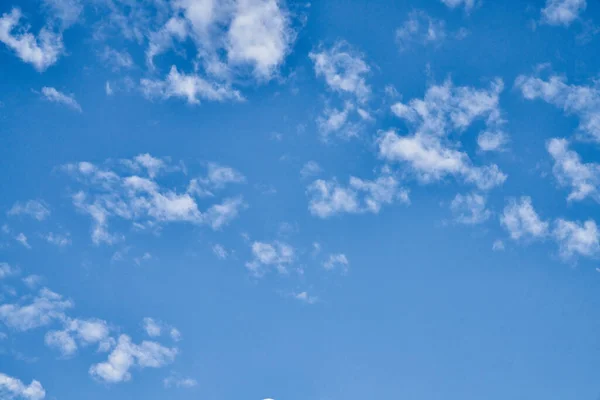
{"type": "Point", "coordinates": [344, 70]}
{"type": "Point", "coordinates": [562, 12]}
{"type": "Point", "coordinates": [55, 96]}
{"type": "Point", "coordinates": [336, 261]}
{"type": "Point", "coordinates": [328, 198]}
{"type": "Point", "coordinates": [468, 4]}
{"type": "Point", "coordinates": [576, 238]}
{"type": "Point", "coordinates": [492, 141]}
{"type": "Point", "coordinates": [152, 328]}
{"type": "Point", "coordinates": [32, 208]}
{"type": "Point", "coordinates": [43, 309]}
{"type": "Point", "coordinates": [127, 355]}
{"type": "Point", "coordinates": [78, 332]}
{"type": "Point", "coordinates": [190, 87]}
{"type": "Point", "coordinates": [143, 201]}
{"type": "Point", "coordinates": [420, 28]}
{"type": "Point", "coordinates": [522, 221]}
{"type": "Point", "coordinates": [444, 110]}
{"type": "Point", "coordinates": [259, 35]}
{"type": "Point", "coordinates": [13, 388]}
{"type": "Point", "coordinates": [275, 254]}
{"type": "Point", "coordinates": [582, 101]}
{"type": "Point", "coordinates": [41, 51]}
{"type": "Point", "coordinates": [470, 208]}
{"type": "Point", "coordinates": [568, 169]}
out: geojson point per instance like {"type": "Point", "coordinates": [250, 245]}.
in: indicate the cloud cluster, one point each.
{"type": "Point", "coordinates": [579, 100]}
{"type": "Point", "coordinates": [275, 254]}
{"type": "Point", "coordinates": [344, 71]}
{"type": "Point", "coordinates": [328, 198]}
{"type": "Point", "coordinates": [13, 388]}
{"type": "Point", "coordinates": [144, 202]}
{"type": "Point", "coordinates": [445, 111]}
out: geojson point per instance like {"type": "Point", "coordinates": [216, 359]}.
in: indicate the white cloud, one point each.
{"type": "Point", "coordinates": [311, 168]}
{"type": "Point", "coordinates": [13, 388]}
{"type": "Point", "coordinates": [21, 238]}
{"type": "Point", "coordinates": [576, 238]}
{"type": "Point", "coordinates": [41, 52]}
{"type": "Point", "coordinates": [219, 175]}
{"type": "Point", "coordinates": [259, 35]}
{"type": "Point", "coordinates": [275, 254]}
{"type": "Point", "coordinates": [58, 239]}
{"type": "Point", "coordinates": [305, 297]}
{"type": "Point", "coordinates": [45, 308]}
{"type": "Point", "coordinates": [152, 328]}
{"type": "Point", "coordinates": [344, 70]}
{"type": "Point", "coordinates": [328, 198]}
{"type": "Point", "coordinates": [470, 208]}
{"type": "Point", "coordinates": [421, 29]}
{"type": "Point", "coordinates": [177, 382]}
{"type": "Point", "coordinates": [492, 141]}
{"type": "Point", "coordinates": [468, 4]}
{"type": "Point", "coordinates": [562, 12]}
{"type": "Point", "coordinates": [142, 201]}
{"type": "Point", "coordinates": [127, 355]}
{"type": "Point", "coordinates": [190, 87]}
{"type": "Point", "coordinates": [78, 332]}
{"type": "Point", "coordinates": [220, 251]}
{"type": "Point", "coordinates": [66, 11]}
{"type": "Point", "coordinates": [498, 245]}
{"type": "Point", "coordinates": [55, 96]}
{"type": "Point", "coordinates": [521, 221]}
{"type": "Point", "coordinates": [6, 270]}
{"type": "Point", "coordinates": [445, 110]}
{"type": "Point", "coordinates": [32, 281]}
{"type": "Point", "coordinates": [583, 178]}
{"type": "Point", "coordinates": [175, 334]}
{"type": "Point", "coordinates": [117, 59]}
{"type": "Point", "coordinates": [336, 260]}
{"type": "Point", "coordinates": [33, 208]}
{"type": "Point", "coordinates": [582, 101]}
{"type": "Point", "coordinates": [108, 89]}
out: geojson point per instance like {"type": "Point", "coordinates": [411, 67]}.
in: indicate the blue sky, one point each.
{"type": "Point", "coordinates": [254, 199]}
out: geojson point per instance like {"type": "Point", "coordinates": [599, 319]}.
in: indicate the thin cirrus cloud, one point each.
{"type": "Point", "coordinates": [36, 209]}
{"type": "Point", "coordinates": [53, 95]}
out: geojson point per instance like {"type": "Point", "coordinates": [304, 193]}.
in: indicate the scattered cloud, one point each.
{"type": "Point", "coordinates": [305, 297]}
{"type": "Point", "coordinates": [79, 332]}
{"type": "Point", "coordinates": [428, 151]}
{"type": "Point", "coordinates": [498, 245]}
{"type": "Point", "coordinates": [576, 238]}
{"type": "Point", "coordinates": [127, 355]}
{"type": "Point", "coordinates": [275, 254]}
{"type": "Point", "coordinates": [562, 12]}
{"type": "Point", "coordinates": [58, 239]}
{"type": "Point", "coordinates": [492, 141]}
{"type": "Point", "coordinates": [467, 4]}
{"type": "Point", "coordinates": [43, 309]}
{"type": "Point", "coordinates": [55, 96]}
{"type": "Point", "coordinates": [328, 198]}
{"type": "Point", "coordinates": [33, 208]}
{"type": "Point", "coordinates": [13, 388]}
{"type": "Point", "coordinates": [311, 168]}
{"type": "Point", "coordinates": [421, 29]}
{"type": "Point", "coordinates": [152, 328]}
{"type": "Point", "coordinates": [41, 51]}
{"type": "Point", "coordinates": [521, 220]}
{"type": "Point", "coordinates": [21, 238]}
{"type": "Point", "coordinates": [569, 170]}
{"type": "Point", "coordinates": [336, 261]}
{"type": "Point", "coordinates": [470, 209]}
{"type": "Point", "coordinates": [579, 100]}
{"type": "Point", "coordinates": [220, 251]}
{"type": "Point", "coordinates": [178, 382]}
